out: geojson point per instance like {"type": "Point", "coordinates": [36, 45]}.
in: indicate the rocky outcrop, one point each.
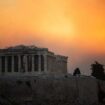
{"type": "Point", "coordinates": [101, 91]}
{"type": "Point", "coordinates": [50, 90]}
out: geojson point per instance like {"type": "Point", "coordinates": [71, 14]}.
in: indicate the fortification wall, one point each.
{"type": "Point", "coordinates": [50, 90]}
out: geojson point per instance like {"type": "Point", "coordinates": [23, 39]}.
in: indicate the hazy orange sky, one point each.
{"type": "Point", "coordinates": [75, 28]}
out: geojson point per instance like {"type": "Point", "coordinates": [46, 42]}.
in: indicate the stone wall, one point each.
{"type": "Point", "coordinates": [50, 90]}
{"type": "Point", "coordinates": [57, 64]}
{"type": "Point", "coordinates": [61, 64]}
{"type": "Point", "coordinates": [51, 60]}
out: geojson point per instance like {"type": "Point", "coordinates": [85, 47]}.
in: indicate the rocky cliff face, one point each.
{"type": "Point", "coordinates": [101, 91]}
{"type": "Point", "coordinates": [49, 90]}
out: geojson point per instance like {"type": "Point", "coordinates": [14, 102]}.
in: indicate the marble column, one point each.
{"type": "Point", "coordinates": [39, 63]}
{"type": "Point", "coordinates": [45, 63]}
{"type": "Point", "coordinates": [26, 63]}
{"type": "Point", "coordinates": [33, 64]}
{"type": "Point", "coordinates": [19, 63]}
{"type": "Point", "coordinates": [0, 66]}
{"type": "Point", "coordinates": [6, 64]}
{"type": "Point", "coordinates": [12, 63]}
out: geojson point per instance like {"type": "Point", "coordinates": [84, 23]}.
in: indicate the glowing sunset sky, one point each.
{"type": "Point", "coordinates": [75, 28]}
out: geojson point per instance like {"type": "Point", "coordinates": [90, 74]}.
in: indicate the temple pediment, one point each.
{"type": "Point", "coordinates": [21, 47]}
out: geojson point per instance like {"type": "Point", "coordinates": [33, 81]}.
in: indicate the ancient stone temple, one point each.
{"type": "Point", "coordinates": [30, 60]}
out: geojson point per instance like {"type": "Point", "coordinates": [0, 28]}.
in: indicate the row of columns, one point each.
{"type": "Point", "coordinates": [25, 61]}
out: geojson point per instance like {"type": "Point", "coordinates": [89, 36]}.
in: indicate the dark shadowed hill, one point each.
{"type": "Point", "coordinates": [49, 90]}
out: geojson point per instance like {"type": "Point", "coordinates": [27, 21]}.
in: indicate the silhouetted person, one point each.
{"type": "Point", "coordinates": [76, 72]}
{"type": "Point", "coordinates": [98, 71]}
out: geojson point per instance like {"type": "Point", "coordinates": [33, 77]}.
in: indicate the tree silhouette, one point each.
{"type": "Point", "coordinates": [98, 71]}
{"type": "Point", "coordinates": [76, 72]}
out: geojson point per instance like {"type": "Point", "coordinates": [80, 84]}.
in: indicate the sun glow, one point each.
{"type": "Point", "coordinates": [69, 27]}
{"type": "Point", "coordinates": [59, 28]}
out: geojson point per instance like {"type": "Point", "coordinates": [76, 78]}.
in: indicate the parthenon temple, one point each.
{"type": "Point", "coordinates": [30, 60]}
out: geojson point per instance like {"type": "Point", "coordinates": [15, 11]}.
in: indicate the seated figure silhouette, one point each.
{"type": "Point", "coordinates": [77, 72]}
